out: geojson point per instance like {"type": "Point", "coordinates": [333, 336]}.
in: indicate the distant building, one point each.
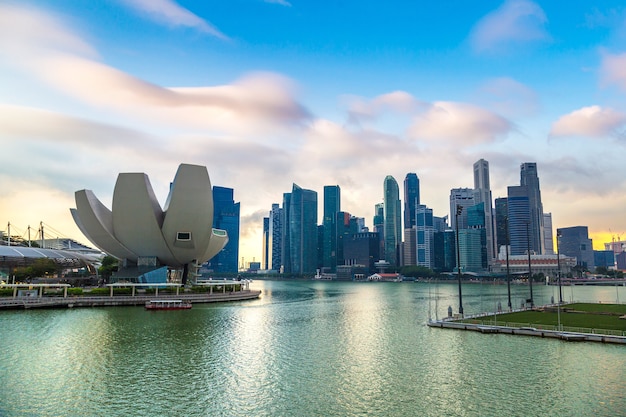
{"type": "Point", "coordinates": [548, 240]}
{"type": "Point", "coordinates": [482, 191]}
{"type": "Point", "coordinates": [265, 247]}
{"type": "Point", "coordinates": [276, 238]}
{"type": "Point", "coordinates": [463, 197]}
{"type": "Point", "coordinates": [302, 236]}
{"type": "Point", "coordinates": [425, 236]}
{"type": "Point", "coordinates": [518, 220]}
{"type": "Point", "coordinates": [362, 249]}
{"type": "Point", "coordinates": [501, 223]}
{"type": "Point", "coordinates": [575, 242]}
{"type": "Point", "coordinates": [393, 221]}
{"type": "Point", "coordinates": [529, 178]}
{"type": "Point", "coordinates": [332, 206]}
{"type": "Point", "coordinates": [545, 264]}
{"type": "Point", "coordinates": [226, 217]}
{"type": "Point", "coordinates": [604, 258]}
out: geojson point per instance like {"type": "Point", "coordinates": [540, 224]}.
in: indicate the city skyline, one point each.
{"type": "Point", "coordinates": [270, 93]}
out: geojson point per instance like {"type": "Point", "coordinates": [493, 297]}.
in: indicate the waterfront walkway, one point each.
{"type": "Point", "coordinates": [527, 329]}
{"type": "Point", "coordinates": [121, 300]}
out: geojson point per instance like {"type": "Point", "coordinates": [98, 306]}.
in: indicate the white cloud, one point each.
{"type": "Point", "coordinates": [253, 102]}
{"type": "Point", "coordinates": [613, 70]}
{"type": "Point", "coordinates": [515, 22]}
{"type": "Point", "coordinates": [460, 123]}
{"type": "Point", "coordinates": [171, 13]}
{"type": "Point", "coordinates": [592, 121]}
{"type": "Point", "coordinates": [360, 109]}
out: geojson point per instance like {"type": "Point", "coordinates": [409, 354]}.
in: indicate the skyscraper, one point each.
{"type": "Point", "coordinates": [574, 241]}
{"type": "Point", "coordinates": [265, 257]}
{"type": "Point", "coordinates": [332, 206]}
{"type": "Point", "coordinates": [518, 213]}
{"type": "Point", "coordinates": [425, 236]}
{"type": "Point", "coordinates": [502, 227]}
{"type": "Point", "coordinates": [226, 217]}
{"type": "Point", "coordinates": [530, 179]}
{"type": "Point", "coordinates": [548, 240]}
{"type": "Point", "coordinates": [303, 231]}
{"type": "Point", "coordinates": [286, 235]}
{"type": "Point", "coordinates": [463, 197]}
{"type": "Point", "coordinates": [393, 219]}
{"type": "Point", "coordinates": [276, 238]}
{"type": "Point", "coordinates": [411, 201]}
{"type": "Point", "coordinates": [483, 195]}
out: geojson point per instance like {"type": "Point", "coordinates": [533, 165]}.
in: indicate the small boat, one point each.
{"type": "Point", "coordinates": [168, 305]}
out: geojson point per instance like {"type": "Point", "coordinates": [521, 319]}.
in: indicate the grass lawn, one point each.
{"type": "Point", "coordinates": [594, 316]}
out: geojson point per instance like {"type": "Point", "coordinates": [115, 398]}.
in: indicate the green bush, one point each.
{"type": "Point", "coordinates": [6, 292]}
{"type": "Point", "coordinates": [100, 291]}
{"type": "Point", "coordinates": [74, 291]}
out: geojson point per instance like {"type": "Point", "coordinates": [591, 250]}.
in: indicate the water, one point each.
{"type": "Point", "coordinates": [306, 349]}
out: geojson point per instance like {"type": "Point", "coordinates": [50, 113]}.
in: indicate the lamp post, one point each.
{"type": "Point", "coordinates": [530, 273]}
{"type": "Point", "coordinates": [558, 263]}
{"type": "Point", "coordinates": [459, 209]}
{"type": "Point", "coordinates": [508, 274]}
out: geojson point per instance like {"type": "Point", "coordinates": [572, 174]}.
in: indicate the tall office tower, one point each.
{"type": "Point", "coordinates": [502, 218]}
{"type": "Point", "coordinates": [379, 226]}
{"type": "Point", "coordinates": [483, 195]}
{"type": "Point", "coordinates": [286, 235]}
{"type": "Point", "coordinates": [276, 237]}
{"type": "Point", "coordinates": [463, 197]}
{"type": "Point", "coordinates": [332, 206]}
{"type": "Point", "coordinates": [425, 236]}
{"type": "Point", "coordinates": [265, 259]}
{"type": "Point", "coordinates": [411, 199]}
{"type": "Point", "coordinates": [548, 241]}
{"type": "Point", "coordinates": [393, 220]}
{"type": "Point", "coordinates": [476, 220]}
{"type": "Point", "coordinates": [574, 241]}
{"type": "Point", "coordinates": [226, 217]}
{"type": "Point", "coordinates": [361, 228]}
{"type": "Point", "coordinates": [303, 231]}
{"type": "Point", "coordinates": [530, 179]}
{"type": "Point", "coordinates": [346, 225]}
{"type": "Point", "coordinates": [470, 250]}
{"type": "Point", "coordinates": [518, 214]}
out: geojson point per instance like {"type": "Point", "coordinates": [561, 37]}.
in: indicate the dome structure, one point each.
{"type": "Point", "coordinates": [138, 227]}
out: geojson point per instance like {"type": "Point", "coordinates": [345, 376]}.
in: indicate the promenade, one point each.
{"type": "Point", "coordinates": [121, 300]}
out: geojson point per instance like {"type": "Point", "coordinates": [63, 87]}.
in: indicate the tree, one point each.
{"type": "Point", "coordinates": [109, 265]}
{"type": "Point", "coordinates": [416, 271]}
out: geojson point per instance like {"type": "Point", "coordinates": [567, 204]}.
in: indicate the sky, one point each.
{"type": "Point", "coordinates": [270, 93]}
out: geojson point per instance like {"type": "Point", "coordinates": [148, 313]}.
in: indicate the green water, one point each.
{"type": "Point", "coordinates": [306, 349]}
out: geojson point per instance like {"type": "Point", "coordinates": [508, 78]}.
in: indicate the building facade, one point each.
{"type": "Point", "coordinates": [226, 216]}
{"type": "Point", "coordinates": [482, 191]}
{"type": "Point", "coordinates": [393, 220]}
{"type": "Point", "coordinates": [332, 206]}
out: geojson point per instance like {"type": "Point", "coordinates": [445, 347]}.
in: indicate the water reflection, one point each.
{"type": "Point", "coordinates": [305, 349]}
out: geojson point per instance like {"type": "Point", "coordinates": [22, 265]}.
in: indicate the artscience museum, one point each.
{"type": "Point", "coordinates": [150, 240]}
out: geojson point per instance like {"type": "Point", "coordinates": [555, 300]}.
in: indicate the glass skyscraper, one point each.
{"type": "Point", "coordinates": [411, 201]}
{"type": "Point", "coordinates": [332, 206]}
{"type": "Point", "coordinates": [482, 192]}
{"type": "Point", "coordinates": [518, 212]}
{"type": "Point", "coordinates": [226, 214]}
{"type": "Point", "coordinates": [276, 237]}
{"type": "Point", "coordinates": [393, 219]}
{"type": "Point", "coordinates": [530, 179]}
{"type": "Point", "coordinates": [303, 231]}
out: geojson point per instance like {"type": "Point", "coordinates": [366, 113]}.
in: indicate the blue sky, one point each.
{"type": "Point", "coordinates": [267, 93]}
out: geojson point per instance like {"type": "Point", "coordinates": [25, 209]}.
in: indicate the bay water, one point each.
{"type": "Point", "coordinates": [307, 348]}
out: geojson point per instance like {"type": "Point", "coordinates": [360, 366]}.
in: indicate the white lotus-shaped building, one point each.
{"type": "Point", "coordinates": [136, 227]}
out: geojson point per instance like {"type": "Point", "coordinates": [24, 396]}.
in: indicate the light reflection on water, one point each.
{"type": "Point", "coordinates": [305, 349]}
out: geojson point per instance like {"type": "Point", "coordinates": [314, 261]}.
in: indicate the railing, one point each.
{"type": "Point", "coordinates": [585, 330]}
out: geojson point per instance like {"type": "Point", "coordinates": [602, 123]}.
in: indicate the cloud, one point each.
{"type": "Point", "coordinates": [592, 121]}
{"type": "Point", "coordinates": [509, 97]}
{"type": "Point", "coordinates": [461, 123]}
{"type": "Point", "coordinates": [171, 13]}
{"type": "Point", "coordinates": [64, 62]}
{"type": "Point", "coordinates": [613, 70]}
{"type": "Point", "coordinates": [281, 2]}
{"type": "Point", "coordinates": [360, 109]}
{"type": "Point", "coordinates": [515, 22]}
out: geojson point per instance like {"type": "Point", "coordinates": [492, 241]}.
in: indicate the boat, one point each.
{"type": "Point", "coordinates": [168, 305]}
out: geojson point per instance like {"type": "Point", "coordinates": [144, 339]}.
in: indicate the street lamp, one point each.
{"type": "Point", "coordinates": [508, 275]}
{"type": "Point", "coordinates": [459, 209]}
{"type": "Point", "coordinates": [558, 263]}
{"type": "Point", "coordinates": [530, 273]}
